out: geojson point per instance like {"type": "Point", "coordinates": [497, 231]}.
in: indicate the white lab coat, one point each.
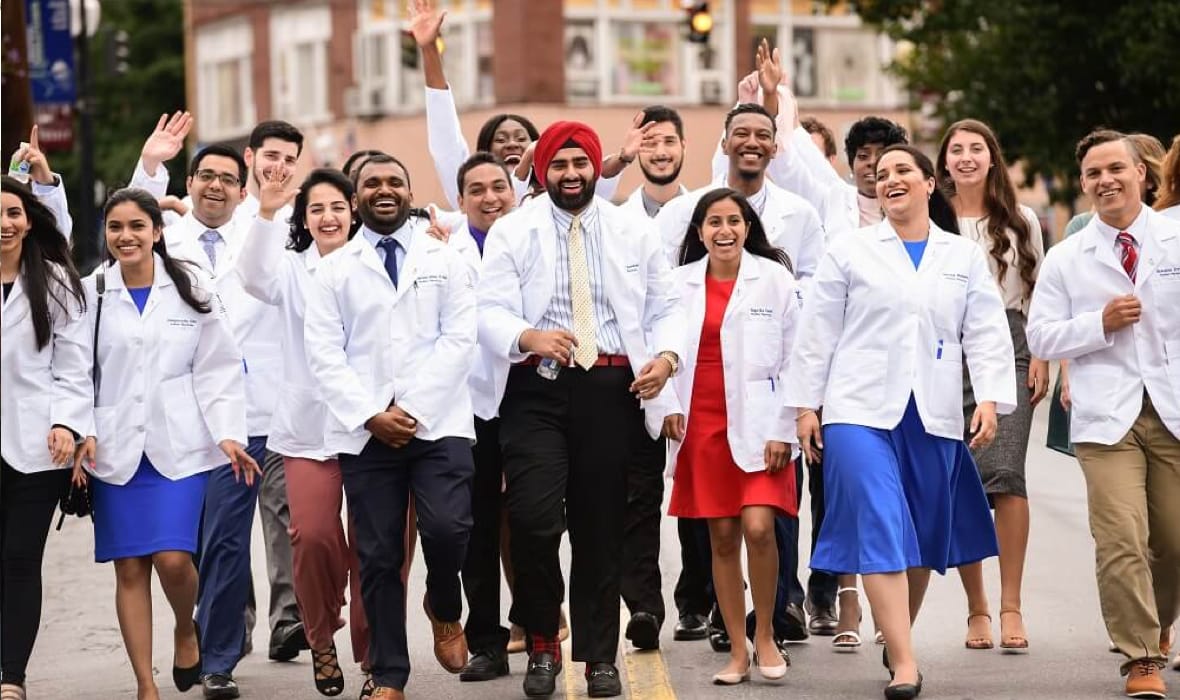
{"type": "Point", "coordinates": [370, 345]}
{"type": "Point", "coordinates": [518, 279]}
{"type": "Point", "coordinates": [274, 275]}
{"type": "Point", "coordinates": [757, 333]}
{"type": "Point", "coordinates": [874, 331]}
{"type": "Point", "coordinates": [42, 387]}
{"type": "Point", "coordinates": [257, 326]}
{"type": "Point", "coordinates": [448, 148]}
{"type": "Point", "coordinates": [54, 197]}
{"type": "Point", "coordinates": [790, 222]}
{"type": "Point", "coordinates": [634, 202]}
{"type": "Point", "coordinates": [157, 186]}
{"type": "Point", "coordinates": [170, 380]}
{"type": "Point", "coordinates": [1108, 372]}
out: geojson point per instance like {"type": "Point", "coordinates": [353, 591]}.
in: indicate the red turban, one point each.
{"type": "Point", "coordinates": [557, 137]}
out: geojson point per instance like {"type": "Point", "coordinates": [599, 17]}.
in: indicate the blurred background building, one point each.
{"type": "Point", "coordinates": [347, 73]}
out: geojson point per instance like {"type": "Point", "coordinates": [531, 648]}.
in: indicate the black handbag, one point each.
{"type": "Point", "coordinates": [76, 499]}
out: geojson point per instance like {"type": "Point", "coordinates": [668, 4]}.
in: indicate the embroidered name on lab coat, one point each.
{"type": "Point", "coordinates": [432, 280]}
{"type": "Point", "coordinates": [955, 277]}
{"type": "Point", "coordinates": [182, 323]}
{"type": "Point", "coordinates": [633, 268]}
{"type": "Point", "coordinates": [1172, 274]}
{"type": "Point", "coordinates": [761, 312]}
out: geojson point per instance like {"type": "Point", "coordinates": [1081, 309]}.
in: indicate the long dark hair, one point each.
{"type": "Point", "coordinates": [182, 272]}
{"type": "Point", "coordinates": [42, 245]}
{"type": "Point", "coordinates": [301, 239]}
{"type": "Point", "coordinates": [999, 202]}
{"type": "Point", "coordinates": [693, 248]}
{"type": "Point", "coordinates": [941, 212]}
{"type": "Point", "coordinates": [487, 133]}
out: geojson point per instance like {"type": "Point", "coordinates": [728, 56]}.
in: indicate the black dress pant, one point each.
{"type": "Point", "coordinates": [26, 511]}
{"type": "Point", "coordinates": [377, 483]}
{"type": "Point", "coordinates": [694, 587]}
{"type": "Point", "coordinates": [821, 585]}
{"type": "Point", "coordinates": [567, 444]}
{"type": "Point", "coordinates": [481, 570]}
{"type": "Point", "coordinates": [641, 584]}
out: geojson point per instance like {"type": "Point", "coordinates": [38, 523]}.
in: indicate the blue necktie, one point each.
{"type": "Point", "coordinates": [390, 246]}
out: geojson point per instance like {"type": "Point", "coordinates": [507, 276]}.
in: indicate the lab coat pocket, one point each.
{"type": "Point", "coordinates": [178, 345]}
{"type": "Point", "coordinates": [428, 298]}
{"type": "Point", "coordinates": [858, 378]}
{"type": "Point", "coordinates": [106, 437]}
{"type": "Point", "coordinates": [187, 431]}
{"type": "Point", "coordinates": [1092, 391]}
{"type": "Point", "coordinates": [299, 417]}
{"type": "Point", "coordinates": [33, 419]}
{"type": "Point", "coordinates": [763, 342]}
{"type": "Point", "coordinates": [950, 300]}
{"type": "Point", "coordinates": [1172, 357]}
{"type": "Point", "coordinates": [944, 390]}
{"type": "Point", "coordinates": [763, 409]}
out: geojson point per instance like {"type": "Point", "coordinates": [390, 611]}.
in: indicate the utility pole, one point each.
{"type": "Point", "coordinates": [86, 242]}
{"type": "Point", "coordinates": [17, 94]}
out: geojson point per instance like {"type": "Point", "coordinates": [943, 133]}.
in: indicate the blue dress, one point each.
{"type": "Point", "coordinates": [150, 513]}
{"type": "Point", "coordinates": [900, 498]}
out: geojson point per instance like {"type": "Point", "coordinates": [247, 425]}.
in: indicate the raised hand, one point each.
{"type": "Point", "coordinates": [747, 88]}
{"type": "Point", "coordinates": [166, 141]}
{"type": "Point", "coordinates": [425, 23]}
{"type": "Point", "coordinates": [437, 230]}
{"type": "Point", "coordinates": [277, 190]}
{"type": "Point", "coordinates": [769, 67]}
{"type": "Point", "coordinates": [635, 137]}
{"type": "Point", "coordinates": [38, 164]}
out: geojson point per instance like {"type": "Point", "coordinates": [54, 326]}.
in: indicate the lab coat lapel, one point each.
{"type": "Point", "coordinates": [1153, 250]}
{"type": "Point", "coordinates": [1102, 250]}
{"type": "Point", "coordinates": [12, 311]}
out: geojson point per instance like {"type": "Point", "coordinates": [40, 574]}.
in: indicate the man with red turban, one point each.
{"type": "Point", "coordinates": [573, 293]}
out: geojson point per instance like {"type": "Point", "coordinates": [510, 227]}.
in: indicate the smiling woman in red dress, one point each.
{"type": "Point", "coordinates": [730, 441]}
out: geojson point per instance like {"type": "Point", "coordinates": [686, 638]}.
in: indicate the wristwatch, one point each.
{"type": "Point", "coordinates": [672, 360]}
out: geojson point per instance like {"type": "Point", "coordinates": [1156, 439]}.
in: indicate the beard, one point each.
{"type": "Point", "coordinates": [569, 202]}
{"type": "Point", "coordinates": [380, 223]}
{"type": "Point", "coordinates": [661, 180]}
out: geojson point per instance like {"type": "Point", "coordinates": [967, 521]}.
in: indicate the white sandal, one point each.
{"type": "Point", "coordinates": [847, 640]}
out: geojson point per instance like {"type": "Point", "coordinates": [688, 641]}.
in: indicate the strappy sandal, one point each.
{"type": "Point", "coordinates": [1012, 643]}
{"type": "Point", "coordinates": [329, 679]}
{"type": "Point", "coordinates": [980, 643]}
{"type": "Point", "coordinates": [848, 640]}
{"type": "Point", "coordinates": [368, 688]}
{"type": "Point", "coordinates": [12, 691]}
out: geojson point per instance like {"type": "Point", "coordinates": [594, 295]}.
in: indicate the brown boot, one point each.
{"type": "Point", "coordinates": [450, 645]}
{"type": "Point", "coordinates": [386, 693]}
{"type": "Point", "coordinates": [1144, 680]}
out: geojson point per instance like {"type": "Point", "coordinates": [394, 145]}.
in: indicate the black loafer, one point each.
{"type": "Point", "coordinates": [602, 680]}
{"type": "Point", "coordinates": [904, 691]}
{"type": "Point", "coordinates": [540, 680]}
{"type": "Point", "coordinates": [719, 641]}
{"type": "Point", "coordinates": [795, 629]}
{"type": "Point", "coordinates": [219, 686]}
{"type": "Point", "coordinates": [287, 643]}
{"type": "Point", "coordinates": [186, 678]}
{"type": "Point", "coordinates": [644, 631]}
{"type": "Point", "coordinates": [823, 622]}
{"type": "Point", "coordinates": [484, 666]}
{"type": "Point", "coordinates": [691, 627]}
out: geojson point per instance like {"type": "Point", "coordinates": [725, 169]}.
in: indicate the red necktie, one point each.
{"type": "Point", "coordinates": [1130, 256]}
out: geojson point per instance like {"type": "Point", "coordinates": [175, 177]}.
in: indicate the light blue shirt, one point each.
{"type": "Point", "coordinates": [560, 313]}
{"type": "Point", "coordinates": [402, 236]}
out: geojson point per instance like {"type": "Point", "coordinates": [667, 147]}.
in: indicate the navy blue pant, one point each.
{"type": "Point", "coordinates": [223, 564]}
{"type": "Point", "coordinates": [378, 483]}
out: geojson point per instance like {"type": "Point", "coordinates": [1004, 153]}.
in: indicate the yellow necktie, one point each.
{"type": "Point", "coordinates": [585, 325]}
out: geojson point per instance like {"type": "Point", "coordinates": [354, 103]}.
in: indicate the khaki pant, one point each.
{"type": "Point", "coordinates": [1133, 488]}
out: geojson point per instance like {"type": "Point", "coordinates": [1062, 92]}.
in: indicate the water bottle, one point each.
{"type": "Point", "coordinates": [18, 169]}
{"type": "Point", "coordinates": [549, 368]}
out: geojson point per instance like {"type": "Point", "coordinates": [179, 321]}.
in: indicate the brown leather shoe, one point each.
{"type": "Point", "coordinates": [1144, 680]}
{"type": "Point", "coordinates": [450, 645]}
{"type": "Point", "coordinates": [386, 693]}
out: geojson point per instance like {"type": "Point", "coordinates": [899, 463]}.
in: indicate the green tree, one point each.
{"type": "Point", "coordinates": [1041, 73]}
{"type": "Point", "coordinates": [127, 100]}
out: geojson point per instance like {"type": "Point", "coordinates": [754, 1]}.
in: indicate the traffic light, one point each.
{"type": "Point", "coordinates": [700, 22]}
{"type": "Point", "coordinates": [117, 52]}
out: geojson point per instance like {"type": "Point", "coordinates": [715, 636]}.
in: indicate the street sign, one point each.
{"type": "Point", "coordinates": [51, 71]}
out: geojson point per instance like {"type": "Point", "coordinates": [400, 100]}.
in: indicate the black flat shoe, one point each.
{"type": "Point", "coordinates": [484, 666]}
{"type": "Point", "coordinates": [219, 686]}
{"type": "Point", "coordinates": [186, 678]}
{"type": "Point", "coordinates": [644, 631]}
{"type": "Point", "coordinates": [602, 680]}
{"type": "Point", "coordinates": [691, 627]}
{"type": "Point", "coordinates": [719, 641]}
{"type": "Point", "coordinates": [325, 665]}
{"type": "Point", "coordinates": [540, 680]}
{"type": "Point", "coordinates": [904, 691]}
{"type": "Point", "coordinates": [823, 622]}
{"type": "Point", "coordinates": [287, 644]}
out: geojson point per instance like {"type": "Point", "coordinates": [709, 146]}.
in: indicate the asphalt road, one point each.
{"type": "Point", "coordinates": [79, 653]}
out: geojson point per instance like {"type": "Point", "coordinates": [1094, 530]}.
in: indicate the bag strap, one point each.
{"type": "Point", "coordinates": [100, 286]}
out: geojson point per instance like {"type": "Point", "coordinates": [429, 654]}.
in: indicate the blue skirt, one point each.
{"type": "Point", "coordinates": [149, 514]}
{"type": "Point", "coordinates": [901, 498]}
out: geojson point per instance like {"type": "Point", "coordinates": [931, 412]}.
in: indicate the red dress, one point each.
{"type": "Point", "coordinates": [708, 484]}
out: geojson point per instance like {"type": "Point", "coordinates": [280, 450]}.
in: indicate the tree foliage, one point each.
{"type": "Point", "coordinates": [127, 104]}
{"type": "Point", "coordinates": [1042, 73]}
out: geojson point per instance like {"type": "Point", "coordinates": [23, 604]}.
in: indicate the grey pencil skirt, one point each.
{"type": "Point", "coordinates": [1001, 464]}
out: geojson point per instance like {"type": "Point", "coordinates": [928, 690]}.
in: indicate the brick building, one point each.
{"type": "Point", "coordinates": [346, 73]}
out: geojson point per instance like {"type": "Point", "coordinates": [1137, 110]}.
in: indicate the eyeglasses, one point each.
{"type": "Point", "coordinates": [207, 176]}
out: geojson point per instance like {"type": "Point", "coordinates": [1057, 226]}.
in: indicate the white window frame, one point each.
{"type": "Point", "coordinates": [290, 28]}
{"type": "Point", "coordinates": [231, 41]}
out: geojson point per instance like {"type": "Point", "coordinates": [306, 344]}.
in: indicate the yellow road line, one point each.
{"type": "Point", "coordinates": [646, 672]}
{"type": "Point", "coordinates": [575, 683]}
